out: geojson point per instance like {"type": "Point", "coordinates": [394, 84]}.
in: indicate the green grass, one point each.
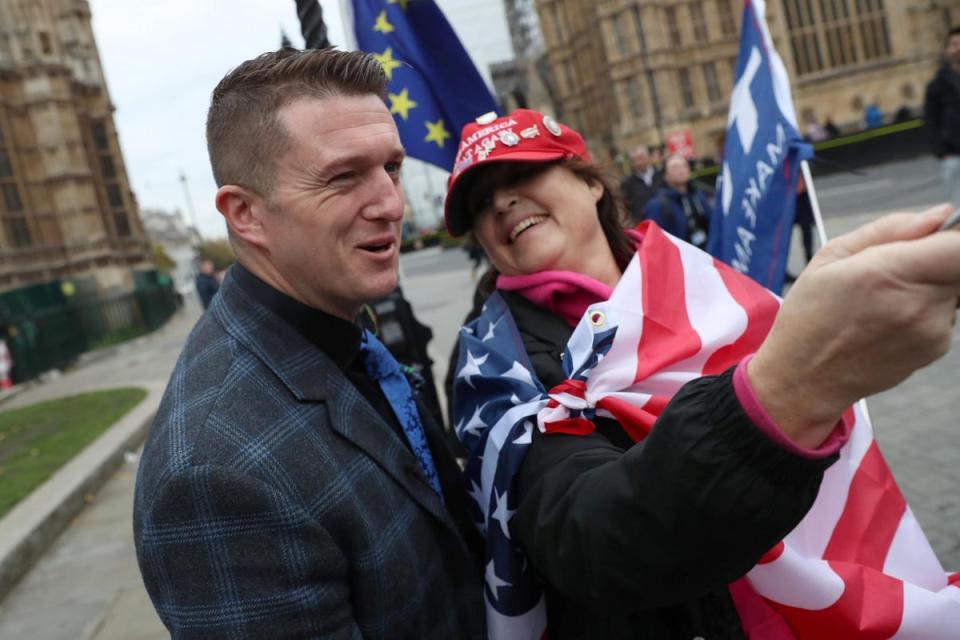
{"type": "Point", "coordinates": [38, 439]}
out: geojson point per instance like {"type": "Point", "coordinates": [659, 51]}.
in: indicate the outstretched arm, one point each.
{"type": "Point", "coordinates": [872, 307]}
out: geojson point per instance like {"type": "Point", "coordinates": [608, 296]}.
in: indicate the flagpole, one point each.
{"type": "Point", "coordinates": [814, 202]}
{"type": "Point", "coordinates": [822, 236]}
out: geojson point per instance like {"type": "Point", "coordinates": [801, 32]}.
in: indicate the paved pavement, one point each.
{"type": "Point", "coordinates": [88, 587]}
{"type": "Point", "coordinates": [884, 187]}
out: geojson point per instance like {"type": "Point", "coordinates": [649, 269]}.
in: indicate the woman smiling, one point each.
{"type": "Point", "coordinates": [620, 521]}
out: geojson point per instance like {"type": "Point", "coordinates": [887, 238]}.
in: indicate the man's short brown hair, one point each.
{"type": "Point", "coordinates": [244, 136]}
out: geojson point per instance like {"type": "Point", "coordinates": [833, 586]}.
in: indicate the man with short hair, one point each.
{"type": "Point", "coordinates": [290, 487]}
{"type": "Point", "coordinates": [942, 115]}
{"type": "Point", "coordinates": [680, 207]}
{"type": "Point", "coordinates": [642, 183]}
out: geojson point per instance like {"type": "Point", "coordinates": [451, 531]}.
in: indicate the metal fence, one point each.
{"type": "Point", "coordinates": [51, 337]}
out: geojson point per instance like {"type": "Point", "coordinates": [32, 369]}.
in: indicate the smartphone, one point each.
{"type": "Point", "coordinates": [952, 221]}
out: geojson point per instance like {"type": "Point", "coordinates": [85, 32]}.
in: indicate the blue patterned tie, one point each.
{"type": "Point", "coordinates": [382, 367]}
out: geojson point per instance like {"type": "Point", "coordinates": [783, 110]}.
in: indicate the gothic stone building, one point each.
{"type": "Point", "coordinates": [66, 208]}
{"type": "Point", "coordinates": [633, 72]}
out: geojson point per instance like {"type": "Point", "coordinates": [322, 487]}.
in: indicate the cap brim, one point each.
{"type": "Point", "coordinates": [455, 213]}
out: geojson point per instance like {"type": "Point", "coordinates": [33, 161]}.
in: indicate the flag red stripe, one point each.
{"type": "Point", "coordinates": [759, 619]}
{"type": "Point", "coordinates": [575, 388]}
{"type": "Point", "coordinates": [871, 608]}
{"type": "Point", "coordinates": [570, 426]}
{"type": "Point", "coordinates": [636, 421]}
{"type": "Point", "coordinates": [761, 308]}
{"type": "Point", "coordinates": [668, 336]}
{"type": "Point", "coordinates": [773, 553]}
{"type": "Point", "coordinates": [871, 516]}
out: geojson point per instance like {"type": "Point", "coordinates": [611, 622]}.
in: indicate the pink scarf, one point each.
{"type": "Point", "coordinates": [564, 293]}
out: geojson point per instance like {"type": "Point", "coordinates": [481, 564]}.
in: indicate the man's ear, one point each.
{"type": "Point", "coordinates": [243, 211]}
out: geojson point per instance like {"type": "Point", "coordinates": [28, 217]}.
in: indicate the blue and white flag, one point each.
{"type": "Point", "coordinates": [756, 196]}
{"type": "Point", "coordinates": [434, 88]}
{"type": "Point", "coordinates": [496, 398]}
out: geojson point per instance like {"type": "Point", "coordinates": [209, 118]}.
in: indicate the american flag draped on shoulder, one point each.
{"type": "Point", "coordinates": [858, 565]}
{"type": "Point", "coordinates": [434, 87]}
{"type": "Point", "coordinates": [753, 214]}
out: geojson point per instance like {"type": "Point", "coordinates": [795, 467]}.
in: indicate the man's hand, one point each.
{"type": "Point", "coordinates": [872, 307]}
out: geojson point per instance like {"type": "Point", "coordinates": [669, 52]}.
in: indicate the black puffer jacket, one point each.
{"type": "Point", "coordinates": [641, 541]}
{"type": "Point", "coordinates": [942, 112]}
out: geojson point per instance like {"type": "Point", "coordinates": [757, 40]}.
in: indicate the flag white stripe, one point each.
{"type": "Point", "coordinates": [911, 558]}
{"type": "Point", "coordinates": [928, 616]}
{"type": "Point", "coordinates": [798, 581]}
{"type": "Point", "coordinates": [713, 312]}
{"type": "Point", "coordinates": [617, 370]}
{"type": "Point", "coordinates": [495, 441]}
{"type": "Point", "coordinates": [812, 535]}
{"type": "Point", "coordinates": [527, 626]}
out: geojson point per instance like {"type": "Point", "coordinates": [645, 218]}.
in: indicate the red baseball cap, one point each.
{"type": "Point", "coordinates": [522, 136]}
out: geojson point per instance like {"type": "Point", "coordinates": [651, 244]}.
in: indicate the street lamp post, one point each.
{"type": "Point", "coordinates": [193, 212]}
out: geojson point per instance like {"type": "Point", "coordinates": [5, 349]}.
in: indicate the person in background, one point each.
{"type": "Point", "coordinates": [832, 129]}
{"type": "Point", "coordinates": [681, 207]}
{"type": "Point", "coordinates": [476, 255]}
{"type": "Point", "coordinates": [207, 282]}
{"type": "Point", "coordinates": [643, 182]}
{"type": "Point", "coordinates": [872, 116]}
{"type": "Point", "coordinates": [903, 114]}
{"type": "Point", "coordinates": [816, 132]}
{"type": "Point", "coordinates": [804, 219]}
{"type": "Point", "coordinates": [942, 115]}
{"type": "Point", "coordinates": [656, 158]}
{"type": "Point", "coordinates": [292, 486]}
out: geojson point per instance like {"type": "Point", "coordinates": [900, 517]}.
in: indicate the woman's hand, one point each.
{"type": "Point", "coordinates": [872, 307]}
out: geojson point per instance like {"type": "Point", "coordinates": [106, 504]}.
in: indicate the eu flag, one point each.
{"type": "Point", "coordinates": [434, 88]}
{"type": "Point", "coordinates": [756, 197]}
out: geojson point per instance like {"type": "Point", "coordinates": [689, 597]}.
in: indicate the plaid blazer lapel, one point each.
{"type": "Point", "coordinates": [312, 377]}
{"type": "Point", "coordinates": [353, 418]}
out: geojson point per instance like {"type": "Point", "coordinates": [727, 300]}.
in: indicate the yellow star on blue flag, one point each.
{"type": "Point", "coordinates": [436, 132]}
{"type": "Point", "coordinates": [387, 61]}
{"type": "Point", "coordinates": [383, 24]}
{"type": "Point", "coordinates": [400, 103]}
{"type": "Point", "coordinates": [430, 74]}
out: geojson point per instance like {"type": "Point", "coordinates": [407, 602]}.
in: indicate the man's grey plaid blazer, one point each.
{"type": "Point", "coordinates": [274, 502]}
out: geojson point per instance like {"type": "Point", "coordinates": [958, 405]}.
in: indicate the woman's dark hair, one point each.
{"type": "Point", "coordinates": [610, 210]}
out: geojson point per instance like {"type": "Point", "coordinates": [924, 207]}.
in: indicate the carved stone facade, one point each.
{"type": "Point", "coordinates": [66, 208]}
{"type": "Point", "coordinates": [632, 72]}
{"type": "Point", "coordinates": [525, 80]}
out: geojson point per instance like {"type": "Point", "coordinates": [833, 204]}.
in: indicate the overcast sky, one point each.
{"type": "Point", "coordinates": [163, 58]}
